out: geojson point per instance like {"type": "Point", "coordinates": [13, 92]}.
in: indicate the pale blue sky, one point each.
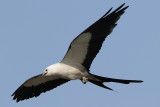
{"type": "Point", "coordinates": [37, 33]}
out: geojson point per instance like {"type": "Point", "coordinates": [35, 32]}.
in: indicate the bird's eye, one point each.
{"type": "Point", "coordinates": [46, 69]}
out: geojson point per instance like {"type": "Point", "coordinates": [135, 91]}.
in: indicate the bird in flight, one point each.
{"type": "Point", "coordinates": [77, 61]}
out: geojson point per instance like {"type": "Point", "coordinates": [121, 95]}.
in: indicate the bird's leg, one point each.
{"type": "Point", "coordinates": [84, 80]}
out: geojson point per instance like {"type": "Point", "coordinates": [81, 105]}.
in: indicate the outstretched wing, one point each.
{"type": "Point", "coordinates": [34, 86]}
{"type": "Point", "coordinates": [85, 47]}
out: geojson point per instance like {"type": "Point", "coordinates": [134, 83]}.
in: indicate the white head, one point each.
{"type": "Point", "coordinates": [50, 70]}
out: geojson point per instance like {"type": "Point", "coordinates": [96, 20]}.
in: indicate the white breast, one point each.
{"type": "Point", "coordinates": [69, 71]}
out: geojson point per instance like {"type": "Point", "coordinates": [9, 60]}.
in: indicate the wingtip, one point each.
{"type": "Point", "coordinates": [121, 7]}
{"type": "Point", "coordinates": [125, 8]}
{"type": "Point", "coordinates": [122, 4]}
{"type": "Point", "coordinates": [118, 9]}
{"type": "Point", "coordinates": [107, 12]}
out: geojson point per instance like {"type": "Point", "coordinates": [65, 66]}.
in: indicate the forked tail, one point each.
{"type": "Point", "coordinates": [98, 80]}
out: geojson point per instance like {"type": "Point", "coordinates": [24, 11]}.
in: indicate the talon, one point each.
{"type": "Point", "coordinates": [84, 80]}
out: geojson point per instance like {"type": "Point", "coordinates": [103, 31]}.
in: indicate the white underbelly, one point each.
{"type": "Point", "coordinates": [71, 75]}
{"type": "Point", "coordinates": [72, 72]}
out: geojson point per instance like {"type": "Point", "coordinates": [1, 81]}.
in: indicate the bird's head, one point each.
{"type": "Point", "coordinates": [45, 72]}
{"type": "Point", "coordinates": [50, 70]}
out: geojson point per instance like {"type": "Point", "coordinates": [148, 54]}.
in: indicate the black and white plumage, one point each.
{"type": "Point", "coordinates": [77, 61]}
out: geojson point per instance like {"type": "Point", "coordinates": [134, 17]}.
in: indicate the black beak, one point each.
{"type": "Point", "coordinates": [44, 73]}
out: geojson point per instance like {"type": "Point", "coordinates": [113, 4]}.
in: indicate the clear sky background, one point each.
{"type": "Point", "coordinates": [36, 33]}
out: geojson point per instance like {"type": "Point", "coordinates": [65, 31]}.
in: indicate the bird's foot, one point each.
{"type": "Point", "coordinates": [84, 80]}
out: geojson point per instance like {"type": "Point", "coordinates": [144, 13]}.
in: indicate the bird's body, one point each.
{"type": "Point", "coordinates": [66, 71]}
{"type": "Point", "coordinates": [77, 61]}
{"type": "Point", "coordinates": [59, 70]}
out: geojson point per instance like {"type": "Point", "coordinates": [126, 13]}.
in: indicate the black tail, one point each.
{"type": "Point", "coordinates": [98, 80]}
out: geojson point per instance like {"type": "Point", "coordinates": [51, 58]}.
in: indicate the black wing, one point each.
{"type": "Point", "coordinates": [35, 86]}
{"type": "Point", "coordinates": [85, 47]}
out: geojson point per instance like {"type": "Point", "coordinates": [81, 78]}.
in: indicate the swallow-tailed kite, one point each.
{"type": "Point", "coordinates": [77, 61]}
